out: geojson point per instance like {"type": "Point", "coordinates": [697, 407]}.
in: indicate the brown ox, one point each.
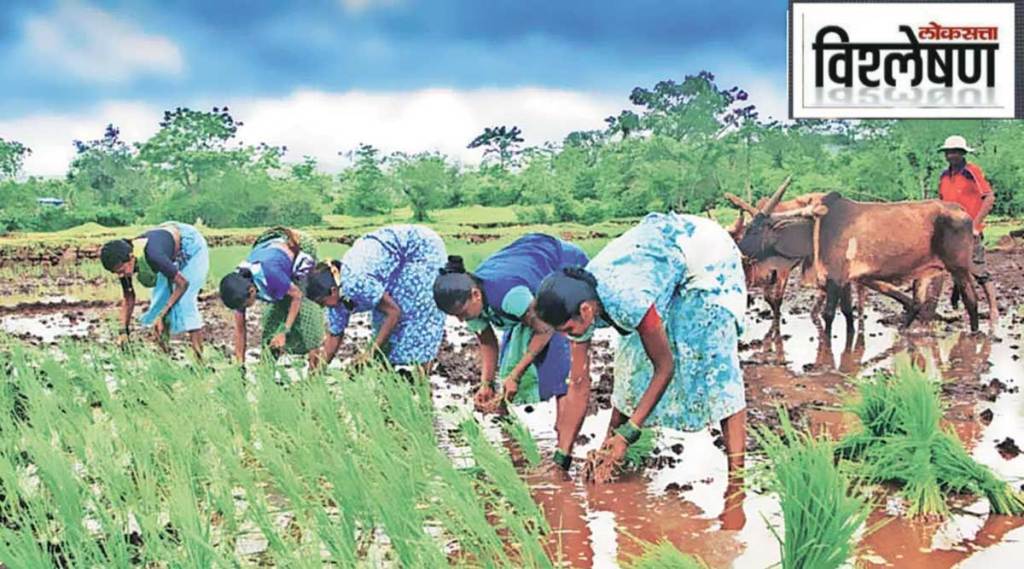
{"type": "Point", "coordinates": [879, 245]}
{"type": "Point", "coordinates": [772, 273]}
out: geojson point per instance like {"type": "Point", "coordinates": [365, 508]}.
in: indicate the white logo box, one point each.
{"type": "Point", "coordinates": [851, 59]}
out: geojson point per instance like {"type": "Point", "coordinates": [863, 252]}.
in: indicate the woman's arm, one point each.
{"type": "Point", "coordinates": [392, 312]}
{"type": "Point", "coordinates": [542, 336]}
{"type": "Point", "coordinates": [127, 307]}
{"type": "Point", "coordinates": [576, 398]}
{"type": "Point", "coordinates": [655, 341]}
{"type": "Point", "coordinates": [240, 336]}
{"type": "Point", "coordinates": [331, 345]}
{"type": "Point", "coordinates": [295, 294]}
{"type": "Point", "coordinates": [180, 286]}
{"type": "Point", "coordinates": [488, 356]}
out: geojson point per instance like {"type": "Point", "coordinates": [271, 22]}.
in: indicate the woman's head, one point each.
{"type": "Point", "coordinates": [568, 301]}
{"type": "Point", "coordinates": [322, 287]}
{"type": "Point", "coordinates": [237, 289]}
{"type": "Point", "coordinates": [457, 292]}
{"type": "Point", "coordinates": [118, 258]}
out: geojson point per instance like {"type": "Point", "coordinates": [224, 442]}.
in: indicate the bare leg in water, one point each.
{"type": "Point", "coordinates": [734, 431]}
{"type": "Point", "coordinates": [195, 337]}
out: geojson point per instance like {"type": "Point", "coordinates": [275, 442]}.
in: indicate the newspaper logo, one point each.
{"type": "Point", "coordinates": [904, 60]}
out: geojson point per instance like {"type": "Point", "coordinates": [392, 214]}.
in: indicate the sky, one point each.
{"type": "Point", "coordinates": [322, 76]}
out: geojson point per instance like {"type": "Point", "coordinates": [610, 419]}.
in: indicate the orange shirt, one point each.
{"type": "Point", "coordinates": [965, 186]}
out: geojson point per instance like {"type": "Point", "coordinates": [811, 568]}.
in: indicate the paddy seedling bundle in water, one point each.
{"type": "Point", "coordinates": [901, 440]}
{"type": "Point", "coordinates": [821, 510]}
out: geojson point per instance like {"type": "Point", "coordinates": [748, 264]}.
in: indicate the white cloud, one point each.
{"type": "Point", "coordinates": [50, 136]}
{"type": "Point", "coordinates": [92, 44]}
{"type": "Point", "coordinates": [321, 124]}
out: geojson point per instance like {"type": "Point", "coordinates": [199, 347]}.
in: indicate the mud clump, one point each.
{"type": "Point", "coordinates": [986, 416]}
{"type": "Point", "coordinates": [1008, 448]}
{"type": "Point", "coordinates": [458, 367]}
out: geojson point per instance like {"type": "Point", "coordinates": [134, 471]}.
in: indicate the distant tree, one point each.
{"type": "Point", "coordinates": [12, 158]}
{"type": "Point", "coordinates": [696, 108]}
{"type": "Point", "coordinates": [424, 179]}
{"type": "Point", "coordinates": [364, 185]}
{"type": "Point", "coordinates": [192, 144]}
{"type": "Point", "coordinates": [500, 141]}
{"type": "Point", "coordinates": [106, 170]}
{"type": "Point", "coordinates": [307, 174]}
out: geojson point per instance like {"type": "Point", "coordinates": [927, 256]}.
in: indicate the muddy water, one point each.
{"type": "Point", "coordinates": [683, 500]}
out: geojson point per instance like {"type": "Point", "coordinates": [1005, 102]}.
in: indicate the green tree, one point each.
{"type": "Point", "coordinates": [12, 158]}
{"type": "Point", "coordinates": [424, 179]}
{"type": "Point", "coordinates": [364, 185]}
{"type": "Point", "coordinates": [193, 144]}
{"type": "Point", "coordinates": [105, 171]}
{"type": "Point", "coordinates": [501, 142]}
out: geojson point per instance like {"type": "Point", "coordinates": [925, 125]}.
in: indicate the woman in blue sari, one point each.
{"type": "Point", "coordinates": [387, 272]}
{"type": "Point", "coordinates": [533, 363]}
{"type": "Point", "coordinates": [174, 263]}
{"type": "Point", "coordinates": [673, 288]}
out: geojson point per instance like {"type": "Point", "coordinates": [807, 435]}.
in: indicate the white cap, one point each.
{"type": "Point", "coordinates": [956, 142]}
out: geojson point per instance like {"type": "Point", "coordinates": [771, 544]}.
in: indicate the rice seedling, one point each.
{"type": "Point", "coordinates": [119, 460]}
{"type": "Point", "coordinates": [901, 440]}
{"type": "Point", "coordinates": [821, 512]}
{"type": "Point", "coordinates": [663, 555]}
{"type": "Point", "coordinates": [638, 452]}
{"type": "Point", "coordinates": [519, 433]}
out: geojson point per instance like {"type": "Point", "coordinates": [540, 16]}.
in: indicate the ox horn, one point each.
{"type": "Point", "coordinates": [776, 197]}
{"type": "Point", "coordinates": [744, 206]}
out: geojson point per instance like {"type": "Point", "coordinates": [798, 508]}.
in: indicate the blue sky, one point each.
{"type": "Point", "coordinates": [70, 66]}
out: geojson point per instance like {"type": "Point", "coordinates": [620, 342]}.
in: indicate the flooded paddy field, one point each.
{"type": "Point", "coordinates": [681, 494]}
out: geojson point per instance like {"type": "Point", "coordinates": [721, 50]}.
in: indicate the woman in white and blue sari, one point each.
{"type": "Point", "coordinates": [175, 263]}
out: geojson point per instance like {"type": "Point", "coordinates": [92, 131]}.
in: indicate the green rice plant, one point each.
{"type": "Point", "coordinates": [663, 555]}
{"type": "Point", "coordinates": [112, 459]}
{"type": "Point", "coordinates": [638, 452]}
{"type": "Point", "coordinates": [821, 509]}
{"type": "Point", "coordinates": [901, 440]}
{"type": "Point", "coordinates": [519, 433]}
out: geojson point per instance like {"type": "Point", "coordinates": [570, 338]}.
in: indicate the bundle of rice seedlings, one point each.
{"type": "Point", "coordinates": [902, 441]}
{"type": "Point", "coordinates": [638, 452]}
{"type": "Point", "coordinates": [663, 555]}
{"type": "Point", "coordinates": [821, 512]}
{"type": "Point", "coordinates": [519, 432]}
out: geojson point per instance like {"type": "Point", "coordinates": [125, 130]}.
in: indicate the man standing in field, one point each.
{"type": "Point", "coordinates": [965, 184]}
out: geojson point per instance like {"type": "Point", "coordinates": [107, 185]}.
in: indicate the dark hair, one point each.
{"type": "Point", "coordinates": [560, 294]}
{"type": "Point", "coordinates": [114, 253]}
{"type": "Point", "coordinates": [453, 285]}
{"type": "Point", "coordinates": [234, 288]}
{"type": "Point", "coordinates": [321, 281]}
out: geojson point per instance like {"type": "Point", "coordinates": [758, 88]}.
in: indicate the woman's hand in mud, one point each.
{"type": "Point", "coordinates": [122, 341]}
{"type": "Point", "coordinates": [603, 464]}
{"type": "Point", "coordinates": [509, 388]}
{"type": "Point", "coordinates": [278, 342]}
{"type": "Point", "coordinates": [159, 328]}
{"type": "Point", "coordinates": [483, 397]}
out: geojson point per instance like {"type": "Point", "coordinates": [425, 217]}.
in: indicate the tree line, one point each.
{"type": "Point", "coordinates": [680, 146]}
